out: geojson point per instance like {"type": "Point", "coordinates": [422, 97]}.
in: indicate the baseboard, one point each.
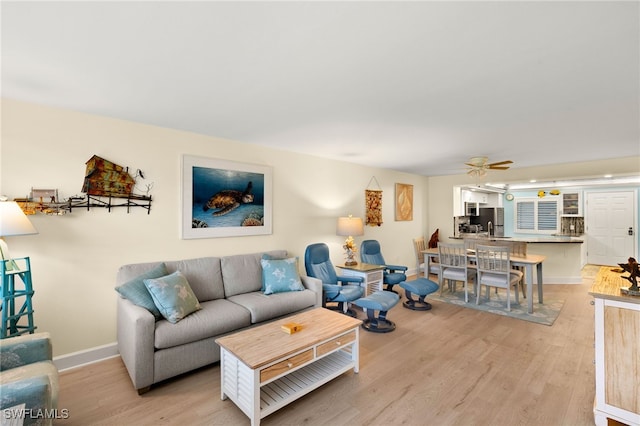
{"type": "Point", "coordinates": [88, 356]}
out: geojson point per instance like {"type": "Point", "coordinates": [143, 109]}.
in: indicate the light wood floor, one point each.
{"type": "Point", "coordinates": [447, 366]}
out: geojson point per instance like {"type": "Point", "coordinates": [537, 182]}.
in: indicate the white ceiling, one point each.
{"type": "Point", "coordinates": [412, 86]}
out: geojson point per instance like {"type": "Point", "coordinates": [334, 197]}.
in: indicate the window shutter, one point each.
{"type": "Point", "coordinates": [525, 219]}
{"type": "Point", "coordinates": [547, 215]}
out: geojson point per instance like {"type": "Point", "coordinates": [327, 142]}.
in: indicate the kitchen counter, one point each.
{"type": "Point", "coordinates": [565, 255]}
{"type": "Point", "coordinates": [527, 239]}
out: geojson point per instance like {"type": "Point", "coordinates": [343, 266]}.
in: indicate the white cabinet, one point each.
{"type": "Point", "coordinates": [463, 198]}
{"type": "Point", "coordinates": [572, 203]}
{"type": "Point", "coordinates": [617, 350]}
{"type": "Point", "coordinates": [475, 197]}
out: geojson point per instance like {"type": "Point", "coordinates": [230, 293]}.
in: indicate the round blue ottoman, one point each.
{"type": "Point", "coordinates": [380, 301]}
{"type": "Point", "coordinates": [421, 287]}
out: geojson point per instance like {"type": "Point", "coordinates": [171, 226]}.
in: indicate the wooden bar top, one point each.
{"type": "Point", "coordinates": [608, 283]}
{"type": "Point", "coordinates": [266, 343]}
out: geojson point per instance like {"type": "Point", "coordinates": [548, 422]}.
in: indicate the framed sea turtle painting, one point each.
{"type": "Point", "coordinates": [222, 198]}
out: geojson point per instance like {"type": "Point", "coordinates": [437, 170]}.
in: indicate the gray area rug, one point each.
{"type": "Point", "coordinates": [542, 314]}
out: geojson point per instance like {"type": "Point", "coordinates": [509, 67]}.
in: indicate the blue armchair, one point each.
{"type": "Point", "coordinates": [28, 378]}
{"type": "Point", "coordinates": [336, 289]}
{"type": "Point", "coordinates": [392, 274]}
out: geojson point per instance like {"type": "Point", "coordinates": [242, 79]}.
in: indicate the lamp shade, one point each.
{"type": "Point", "coordinates": [350, 226]}
{"type": "Point", "coordinates": [13, 221]}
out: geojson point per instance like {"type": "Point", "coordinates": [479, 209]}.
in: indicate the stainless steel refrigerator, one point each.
{"type": "Point", "coordinates": [495, 215]}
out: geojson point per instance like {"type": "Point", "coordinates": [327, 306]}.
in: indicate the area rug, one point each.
{"type": "Point", "coordinates": [542, 313]}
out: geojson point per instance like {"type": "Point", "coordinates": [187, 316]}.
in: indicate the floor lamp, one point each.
{"type": "Point", "coordinates": [13, 222]}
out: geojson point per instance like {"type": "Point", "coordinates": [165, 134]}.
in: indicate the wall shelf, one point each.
{"type": "Point", "coordinates": [110, 202]}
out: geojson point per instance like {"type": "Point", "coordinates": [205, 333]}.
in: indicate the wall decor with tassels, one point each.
{"type": "Point", "coordinates": [373, 204]}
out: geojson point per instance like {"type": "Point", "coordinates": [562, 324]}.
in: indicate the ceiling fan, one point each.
{"type": "Point", "coordinates": [480, 165]}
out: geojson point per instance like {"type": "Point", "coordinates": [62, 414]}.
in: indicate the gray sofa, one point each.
{"type": "Point", "coordinates": [228, 289]}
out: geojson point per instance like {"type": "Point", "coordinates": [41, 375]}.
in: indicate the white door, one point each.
{"type": "Point", "coordinates": [609, 216]}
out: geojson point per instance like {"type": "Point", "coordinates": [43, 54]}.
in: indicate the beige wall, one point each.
{"type": "Point", "coordinates": [75, 257]}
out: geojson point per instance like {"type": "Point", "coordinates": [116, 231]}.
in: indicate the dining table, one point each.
{"type": "Point", "coordinates": [527, 262]}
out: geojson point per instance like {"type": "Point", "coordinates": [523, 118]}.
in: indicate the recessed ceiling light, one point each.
{"type": "Point", "coordinates": [532, 181]}
{"type": "Point", "coordinates": [608, 176]}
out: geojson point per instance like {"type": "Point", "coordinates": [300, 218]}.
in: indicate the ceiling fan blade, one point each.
{"type": "Point", "coordinates": [498, 167]}
{"type": "Point", "coordinates": [499, 163]}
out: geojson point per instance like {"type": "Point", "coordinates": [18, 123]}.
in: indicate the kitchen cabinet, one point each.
{"type": "Point", "coordinates": [571, 204]}
{"type": "Point", "coordinates": [475, 199]}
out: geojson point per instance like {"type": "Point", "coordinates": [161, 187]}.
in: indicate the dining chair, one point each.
{"type": "Point", "coordinates": [516, 248]}
{"type": "Point", "coordinates": [419, 245]}
{"type": "Point", "coordinates": [494, 270]}
{"type": "Point", "coordinates": [454, 266]}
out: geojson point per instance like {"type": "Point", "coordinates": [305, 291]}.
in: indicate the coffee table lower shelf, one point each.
{"type": "Point", "coordinates": [242, 385]}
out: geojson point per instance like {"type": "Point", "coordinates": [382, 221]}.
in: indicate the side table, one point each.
{"type": "Point", "coordinates": [372, 275]}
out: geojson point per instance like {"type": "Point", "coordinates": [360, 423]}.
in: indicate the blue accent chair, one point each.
{"type": "Point", "coordinates": [28, 377]}
{"type": "Point", "coordinates": [392, 274]}
{"type": "Point", "coordinates": [336, 289]}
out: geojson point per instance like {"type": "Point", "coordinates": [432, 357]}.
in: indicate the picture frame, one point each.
{"type": "Point", "coordinates": [222, 198]}
{"type": "Point", "coordinates": [404, 202]}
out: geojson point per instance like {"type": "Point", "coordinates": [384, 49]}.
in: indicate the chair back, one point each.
{"type": "Point", "coordinates": [419, 245]}
{"type": "Point", "coordinates": [493, 259]}
{"type": "Point", "coordinates": [370, 253]}
{"type": "Point", "coordinates": [452, 255]}
{"type": "Point", "coordinates": [470, 243]}
{"type": "Point", "coordinates": [318, 264]}
{"type": "Point", "coordinates": [516, 248]}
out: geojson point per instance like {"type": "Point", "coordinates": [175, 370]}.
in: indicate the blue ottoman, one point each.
{"type": "Point", "coordinates": [380, 301]}
{"type": "Point", "coordinates": [420, 287]}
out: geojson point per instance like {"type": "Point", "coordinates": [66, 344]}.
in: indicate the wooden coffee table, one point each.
{"type": "Point", "coordinates": [264, 368]}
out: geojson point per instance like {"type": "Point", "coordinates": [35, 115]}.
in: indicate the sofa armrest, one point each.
{"type": "Point", "coordinates": [26, 349]}
{"type": "Point", "coordinates": [315, 285]}
{"type": "Point", "coordinates": [136, 336]}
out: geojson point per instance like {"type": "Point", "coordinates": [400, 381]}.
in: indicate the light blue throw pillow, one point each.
{"type": "Point", "coordinates": [173, 296]}
{"type": "Point", "coordinates": [281, 275]}
{"type": "Point", "coordinates": [267, 256]}
{"type": "Point", "coordinates": [136, 292]}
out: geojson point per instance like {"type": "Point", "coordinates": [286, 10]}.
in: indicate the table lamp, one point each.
{"type": "Point", "coordinates": [13, 222]}
{"type": "Point", "coordinates": [348, 227]}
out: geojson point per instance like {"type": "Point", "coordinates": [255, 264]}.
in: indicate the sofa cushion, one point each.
{"type": "Point", "coordinates": [215, 318]}
{"type": "Point", "coordinates": [266, 307]}
{"type": "Point", "coordinates": [135, 290]}
{"type": "Point", "coordinates": [243, 273]}
{"type": "Point", "coordinates": [204, 276]}
{"type": "Point", "coordinates": [173, 296]}
{"type": "Point", "coordinates": [281, 275]}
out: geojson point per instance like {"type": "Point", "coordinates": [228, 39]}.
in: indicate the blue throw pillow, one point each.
{"type": "Point", "coordinates": [173, 296]}
{"type": "Point", "coordinates": [281, 275]}
{"type": "Point", "coordinates": [136, 292]}
{"type": "Point", "coordinates": [267, 256]}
